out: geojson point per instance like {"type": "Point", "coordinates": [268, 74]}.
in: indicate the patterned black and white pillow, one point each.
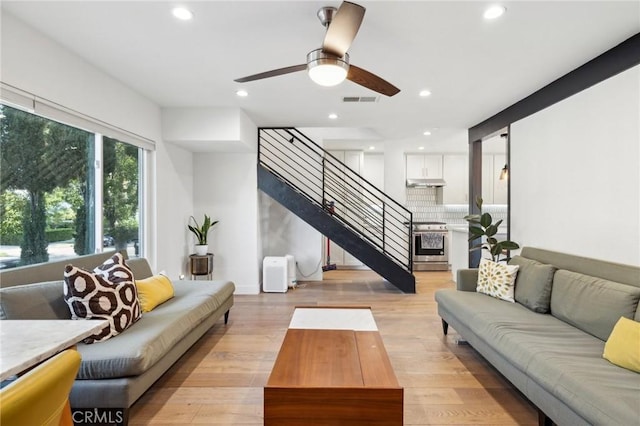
{"type": "Point", "coordinates": [109, 293]}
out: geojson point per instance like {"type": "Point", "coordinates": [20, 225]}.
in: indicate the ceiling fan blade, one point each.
{"type": "Point", "coordinates": [272, 73]}
{"type": "Point", "coordinates": [343, 29]}
{"type": "Point", "coordinates": [371, 81]}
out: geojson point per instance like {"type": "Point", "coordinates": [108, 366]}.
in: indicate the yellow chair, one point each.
{"type": "Point", "coordinates": [41, 396]}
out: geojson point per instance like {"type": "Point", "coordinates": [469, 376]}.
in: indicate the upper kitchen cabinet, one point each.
{"type": "Point", "coordinates": [424, 166]}
{"type": "Point", "coordinates": [456, 175]}
{"type": "Point", "coordinates": [500, 187]}
{"type": "Point", "coordinates": [344, 191]}
{"type": "Point", "coordinates": [494, 190]}
{"type": "Point", "coordinates": [487, 178]}
{"type": "Point", "coordinates": [373, 170]}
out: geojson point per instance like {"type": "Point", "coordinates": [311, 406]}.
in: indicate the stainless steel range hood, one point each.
{"type": "Point", "coordinates": [425, 183]}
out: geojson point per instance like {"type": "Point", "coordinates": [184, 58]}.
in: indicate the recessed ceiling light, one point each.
{"type": "Point", "coordinates": [494, 12]}
{"type": "Point", "coordinates": [333, 116]}
{"type": "Point", "coordinates": [425, 93]}
{"type": "Point", "coordinates": [427, 133]}
{"type": "Point", "coordinates": [421, 148]}
{"type": "Point", "coordinates": [242, 93]}
{"type": "Point", "coordinates": [182, 13]}
{"type": "Point", "coordinates": [372, 148]}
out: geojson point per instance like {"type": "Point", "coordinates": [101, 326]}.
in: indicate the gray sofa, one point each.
{"type": "Point", "coordinates": [116, 372]}
{"type": "Point", "coordinates": [555, 358]}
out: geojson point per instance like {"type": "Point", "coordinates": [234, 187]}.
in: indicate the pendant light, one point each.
{"type": "Point", "coordinates": [504, 173]}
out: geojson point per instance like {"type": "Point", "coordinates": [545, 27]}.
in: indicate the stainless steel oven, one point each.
{"type": "Point", "coordinates": [430, 246]}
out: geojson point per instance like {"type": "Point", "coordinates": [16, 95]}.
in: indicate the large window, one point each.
{"type": "Point", "coordinates": [64, 192]}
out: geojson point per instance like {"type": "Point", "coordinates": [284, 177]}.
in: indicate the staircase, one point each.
{"type": "Point", "coordinates": [337, 202]}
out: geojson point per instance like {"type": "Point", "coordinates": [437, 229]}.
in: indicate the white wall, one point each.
{"type": "Point", "coordinates": [575, 174]}
{"type": "Point", "coordinates": [284, 233]}
{"type": "Point", "coordinates": [209, 129]}
{"type": "Point", "coordinates": [34, 63]}
{"type": "Point", "coordinates": [173, 208]}
{"type": "Point", "coordinates": [225, 188]}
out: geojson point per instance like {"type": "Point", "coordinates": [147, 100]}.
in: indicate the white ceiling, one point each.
{"type": "Point", "coordinates": [473, 67]}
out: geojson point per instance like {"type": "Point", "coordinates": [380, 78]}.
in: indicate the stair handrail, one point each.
{"type": "Point", "coordinates": [361, 201]}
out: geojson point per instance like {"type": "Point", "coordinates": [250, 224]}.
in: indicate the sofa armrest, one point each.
{"type": "Point", "coordinates": [467, 279]}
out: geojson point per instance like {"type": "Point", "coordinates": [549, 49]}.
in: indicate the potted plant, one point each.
{"type": "Point", "coordinates": [201, 233]}
{"type": "Point", "coordinates": [482, 226]}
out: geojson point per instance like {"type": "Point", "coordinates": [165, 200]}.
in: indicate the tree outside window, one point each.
{"type": "Point", "coordinates": [47, 190]}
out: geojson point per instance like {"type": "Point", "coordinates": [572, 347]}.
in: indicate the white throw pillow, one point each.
{"type": "Point", "coordinates": [497, 279]}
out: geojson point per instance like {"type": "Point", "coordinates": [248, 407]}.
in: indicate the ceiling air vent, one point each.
{"type": "Point", "coordinates": [360, 99]}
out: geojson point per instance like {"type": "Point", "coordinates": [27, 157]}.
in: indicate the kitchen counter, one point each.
{"type": "Point", "coordinates": [458, 228]}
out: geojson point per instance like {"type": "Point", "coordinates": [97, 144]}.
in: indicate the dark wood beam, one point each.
{"type": "Point", "coordinates": [475, 191]}
{"type": "Point", "coordinates": [614, 61]}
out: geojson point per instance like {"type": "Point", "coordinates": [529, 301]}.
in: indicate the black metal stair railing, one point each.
{"type": "Point", "coordinates": [324, 180]}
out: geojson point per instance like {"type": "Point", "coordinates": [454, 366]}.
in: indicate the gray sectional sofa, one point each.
{"type": "Point", "coordinates": [555, 358]}
{"type": "Point", "coordinates": [116, 372]}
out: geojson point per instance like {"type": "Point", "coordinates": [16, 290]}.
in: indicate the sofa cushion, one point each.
{"type": "Point", "coordinates": [533, 284]}
{"type": "Point", "coordinates": [496, 279]}
{"type": "Point", "coordinates": [154, 291]}
{"type": "Point", "coordinates": [34, 301]}
{"type": "Point", "coordinates": [562, 359]}
{"type": "Point", "coordinates": [108, 293]}
{"type": "Point", "coordinates": [575, 372]}
{"type": "Point", "coordinates": [138, 348]}
{"type": "Point", "coordinates": [592, 304]}
{"type": "Point", "coordinates": [623, 345]}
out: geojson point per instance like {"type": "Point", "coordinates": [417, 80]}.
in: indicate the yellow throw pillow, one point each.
{"type": "Point", "coordinates": [154, 291]}
{"type": "Point", "coordinates": [623, 345]}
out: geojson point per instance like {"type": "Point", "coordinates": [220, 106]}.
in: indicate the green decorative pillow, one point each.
{"type": "Point", "coordinates": [496, 279]}
{"type": "Point", "coordinates": [533, 284]}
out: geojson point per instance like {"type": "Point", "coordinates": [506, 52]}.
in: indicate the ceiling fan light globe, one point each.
{"type": "Point", "coordinates": [327, 74]}
{"type": "Point", "coordinates": [326, 69]}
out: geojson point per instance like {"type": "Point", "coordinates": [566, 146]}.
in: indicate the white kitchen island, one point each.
{"type": "Point", "coordinates": [458, 248]}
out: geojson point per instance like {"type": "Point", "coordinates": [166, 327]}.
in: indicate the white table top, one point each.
{"type": "Point", "coordinates": [357, 319]}
{"type": "Point", "coordinates": [25, 343]}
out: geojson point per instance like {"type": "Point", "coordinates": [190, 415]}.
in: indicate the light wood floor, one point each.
{"type": "Point", "coordinates": [220, 380]}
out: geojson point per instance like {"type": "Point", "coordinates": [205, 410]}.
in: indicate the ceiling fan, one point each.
{"type": "Point", "coordinates": [329, 65]}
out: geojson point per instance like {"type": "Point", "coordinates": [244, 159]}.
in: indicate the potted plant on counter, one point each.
{"type": "Point", "coordinates": [201, 233]}
{"type": "Point", "coordinates": [481, 226]}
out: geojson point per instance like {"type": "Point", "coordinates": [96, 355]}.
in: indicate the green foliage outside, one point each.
{"type": "Point", "coordinates": [52, 236]}
{"type": "Point", "coordinates": [120, 191]}
{"type": "Point", "coordinates": [44, 170]}
{"type": "Point", "coordinates": [11, 207]}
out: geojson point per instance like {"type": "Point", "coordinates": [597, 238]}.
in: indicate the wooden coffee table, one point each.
{"type": "Point", "coordinates": [333, 368]}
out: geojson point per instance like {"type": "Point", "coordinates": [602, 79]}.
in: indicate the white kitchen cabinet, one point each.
{"type": "Point", "coordinates": [419, 166]}
{"type": "Point", "coordinates": [500, 187]}
{"type": "Point", "coordinates": [494, 190]}
{"type": "Point", "coordinates": [455, 172]}
{"type": "Point", "coordinates": [488, 171]}
{"type": "Point", "coordinates": [373, 170]}
{"type": "Point", "coordinates": [353, 160]}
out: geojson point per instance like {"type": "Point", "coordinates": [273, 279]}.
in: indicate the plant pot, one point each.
{"type": "Point", "coordinates": [202, 249]}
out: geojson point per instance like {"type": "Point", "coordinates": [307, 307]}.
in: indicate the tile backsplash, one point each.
{"type": "Point", "coordinates": [426, 205]}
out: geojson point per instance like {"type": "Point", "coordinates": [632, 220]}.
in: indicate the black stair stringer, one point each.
{"type": "Point", "coordinates": [317, 217]}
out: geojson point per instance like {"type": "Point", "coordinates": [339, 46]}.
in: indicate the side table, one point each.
{"type": "Point", "coordinates": [201, 265]}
